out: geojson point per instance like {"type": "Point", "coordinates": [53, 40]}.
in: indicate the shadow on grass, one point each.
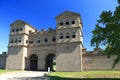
{"type": "Point", "coordinates": [62, 78]}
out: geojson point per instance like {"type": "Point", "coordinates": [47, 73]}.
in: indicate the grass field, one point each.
{"type": "Point", "coordinates": [4, 71]}
{"type": "Point", "coordinates": [87, 75]}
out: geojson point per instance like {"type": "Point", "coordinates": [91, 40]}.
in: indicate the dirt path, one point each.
{"type": "Point", "coordinates": [24, 75]}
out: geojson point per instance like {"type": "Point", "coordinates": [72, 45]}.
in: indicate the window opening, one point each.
{"type": "Point", "coordinates": [73, 35]}
{"type": "Point", "coordinates": [21, 29]}
{"type": "Point", "coordinates": [67, 35]}
{"type": "Point", "coordinates": [16, 40]}
{"type": "Point", "coordinates": [17, 30]}
{"type": "Point", "coordinates": [13, 30]}
{"type": "Point", "coordinates": [46, 39]}
{"type": "Point", "coordinates": [54, 39]}
{"type": "Point", "coordinates": [61, 24]}
{"type": "Point", "coordinates": [19, 39]}
{"type": "Point", "coordinates": [61, 36]}
{"type": "Point", "coordinates": [73, 22]}
{"type": "Point", "coordinates": [67, 23]}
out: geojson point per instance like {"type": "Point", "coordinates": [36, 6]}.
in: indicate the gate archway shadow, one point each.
{"type": "Point", "coordinates": [33, 62]}
{"type": "Point", "coordinates": [50, 62]}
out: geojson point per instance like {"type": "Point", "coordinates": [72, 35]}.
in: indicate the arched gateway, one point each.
{"type": "Point", "coordinates": [33, 62]}
{"type": "Point", "coordinates": [50, 61]}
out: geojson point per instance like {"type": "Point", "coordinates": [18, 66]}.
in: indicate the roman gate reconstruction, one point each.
{"type": "Point", "coordinates": [61, 48]}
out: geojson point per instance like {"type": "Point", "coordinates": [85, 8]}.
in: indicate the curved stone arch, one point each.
{"type": "Point", "coordinates": [50, 56]}
{"type": "Point", "coordinates": [33, 57]}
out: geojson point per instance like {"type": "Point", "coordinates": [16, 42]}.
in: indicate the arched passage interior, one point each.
{"type": "Point", "coordinates": [33, 62]}
{"type": "Point", "coordinates": [50, 62]}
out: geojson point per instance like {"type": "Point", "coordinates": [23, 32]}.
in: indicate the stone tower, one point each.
{"type": "Point", "coordinates": [69, 43]}
{"type": "Point", "coordinates": [17, 47]}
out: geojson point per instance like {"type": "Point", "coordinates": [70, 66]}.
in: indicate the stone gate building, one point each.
{"type": "Point", "coordinates": [35, 50]}
{"type": "Point", "coordinates": [31, 49]}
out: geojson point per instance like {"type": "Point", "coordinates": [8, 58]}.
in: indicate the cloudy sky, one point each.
{"type": "Point", "coordinates": [42, 13]}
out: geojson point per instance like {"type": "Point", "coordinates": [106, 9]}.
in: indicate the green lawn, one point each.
{"type": "Point", "coordinates": [86, 75]}
{"type": "Point", "coordinates": [4, 71]}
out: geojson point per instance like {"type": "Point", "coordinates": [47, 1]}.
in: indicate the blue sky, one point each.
{"type": "Point", "coordinates": [41, 14]}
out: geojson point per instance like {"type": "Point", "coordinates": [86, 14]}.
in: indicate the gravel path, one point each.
{"type": "Point", "coordinates": [24, 75]}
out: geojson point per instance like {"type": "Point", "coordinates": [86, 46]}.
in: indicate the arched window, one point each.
{"type": "Point", "coordinates": [73, 35]}
{"type": "Point", "coordinates": [20, 39]}
{"type": "Point", "coordinates": [67, 35]}
{"type": "Point", "coordinates": [61, 36]}
{"type": "Point", "coordinates": [67, 23]}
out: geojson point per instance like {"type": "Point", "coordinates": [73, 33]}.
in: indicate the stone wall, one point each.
{"type": "Point", "coordinates": [3, 58]}
{"type": "Point", "coordinates": [98, 62]}
{"type": "Point", "coordinates": [16, 57]}
{"type": "Point", "coordinates": [68, 57]}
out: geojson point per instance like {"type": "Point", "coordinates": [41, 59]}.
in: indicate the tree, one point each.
{"type": "Point", "coordinates": [107, 33]}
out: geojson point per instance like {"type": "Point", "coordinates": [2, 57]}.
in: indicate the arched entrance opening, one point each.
{"type": "Point", "coordinates": [33, 62]}
{"type": "Point", "coordinates": [51, 62]}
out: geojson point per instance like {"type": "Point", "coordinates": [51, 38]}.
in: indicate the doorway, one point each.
{"type": "Point", "coordinates": [33, 62]}
{"type": "Point", "coordinates": [51, 62]}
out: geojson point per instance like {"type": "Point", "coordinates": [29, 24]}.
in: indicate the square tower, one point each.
{"type": "Point", "coordinates": [17, 47]}
{"type": "Point", "coordinates": [69, 43]}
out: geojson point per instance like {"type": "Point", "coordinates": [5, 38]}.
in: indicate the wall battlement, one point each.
{"type": "Point", "coordinates": [43, 31]}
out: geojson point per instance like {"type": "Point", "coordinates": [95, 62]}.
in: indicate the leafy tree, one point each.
{"type": "Point", "coordinates": [107, 33]}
